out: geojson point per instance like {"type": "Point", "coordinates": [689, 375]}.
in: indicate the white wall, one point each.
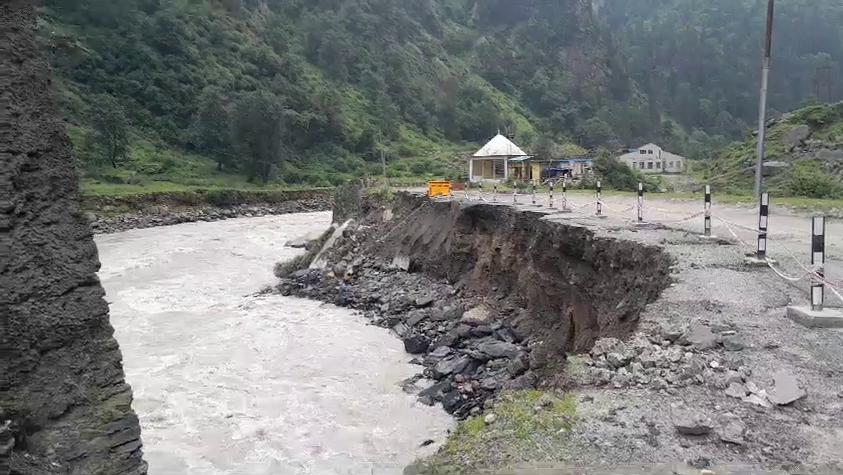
{"type": "Point", "coordinates": [652, 163]}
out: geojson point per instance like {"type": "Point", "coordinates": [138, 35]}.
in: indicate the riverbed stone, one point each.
{"type": "Point", "coordinates": [450, 365]}
{"type": "Point", "coordinates": [733, 432]}
{"type": "Point", "coordinates": [786, 389]}
{"type": "Point", "coordinates": [699, 336]}
{"type": "Point", "coordinates": [691, 423]}
{"type": "Point", "coordinates": [498, 349]}
{"type": "Point", "coordinates": [415, 344]}
{"type": "Point", "coordinates": [604, 346]}
{"type": "Point", "coordinates": [437, 355]}
{"type": "Point", "coordinates": [478, 315]}
{"type": "Point", "coordinates": [736, 390]}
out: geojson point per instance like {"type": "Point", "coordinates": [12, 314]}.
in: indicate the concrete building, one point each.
{"type": "Point", "coordinates": [651, 158]}
{"type": "Point", "coordinates": [492, 162]}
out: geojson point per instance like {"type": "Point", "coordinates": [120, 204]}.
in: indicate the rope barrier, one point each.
{"type": "Point", "coordinates": [402, 222]}
{"type": "Point", "coordinates": [733, 233]}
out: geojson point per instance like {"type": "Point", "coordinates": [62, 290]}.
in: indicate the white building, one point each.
{"type": "Point", "coordinates": [491, 163]}
{"type": "Point", "coordinates": [651, 158]}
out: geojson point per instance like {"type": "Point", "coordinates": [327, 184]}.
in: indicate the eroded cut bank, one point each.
{"type": "Point", "coordinates": [489, 297]}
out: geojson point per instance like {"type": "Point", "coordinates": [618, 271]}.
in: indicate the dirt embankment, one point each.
{"type": "Point", "coordinates": [109, 214]}
{"type": "Point", "coordinates": [490, 296]}
{"type": "Point", "coordinates": [64, 404]}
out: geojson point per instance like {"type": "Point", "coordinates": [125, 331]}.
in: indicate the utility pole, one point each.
{"type": "Point", "coordinates": [383, 158]}
{"type": "Point", "coordinates": [762, 107]}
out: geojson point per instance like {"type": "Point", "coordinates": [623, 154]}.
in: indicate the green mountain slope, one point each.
{"type": "Point", "coordinates": [808, 146]}
{"type": "Point", "coordinates": [317, 91]}
{"type": "Point", "coordinates": [700, 61]}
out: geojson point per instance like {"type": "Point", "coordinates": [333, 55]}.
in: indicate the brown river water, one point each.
{"type": "Point", "coordinates": [228, 382]}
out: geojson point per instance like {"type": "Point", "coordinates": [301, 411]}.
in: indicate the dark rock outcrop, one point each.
{"type": "Point", "coordinates": [63, 396]}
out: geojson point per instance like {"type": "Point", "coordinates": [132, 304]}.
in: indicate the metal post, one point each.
{"type": "Point", "coordinates": [550, 196]}
{"type": "Point", "coordinates": [762, 104]}
{"type": "Point", "coordinates": [763, 217]}
{"type": "Point", "coordinates": [599, 199]}
{"type": "Point", "coordinates": [564, 193]}
{"type": "Point", "coordinates": [640, 202]}
{"type": "Point", "coordinates": [495, 193]}
{"type": "Point", "coordinates": [818, 262]}
{"type": "Point", "coordinates": [534, 193]}
{"type": "Point", "coordinates": [707, 221]}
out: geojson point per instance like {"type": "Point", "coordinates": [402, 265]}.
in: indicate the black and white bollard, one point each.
{"type": "Point", "coordinates": [707, 219]}
{"type": "Point", "coordinates": [565, 208]}
{"type": "Point", "coordinates": [817, 315]}
{"type": "Point", "coordinates": [534, 194]}
{"type": "Point", "coordinates": [640, 202]}
{"type": "Point", "coordinates": [818, 263]}
{"type": "Point", "coordinates": [760, 259]}
{"type": "Point", "coordinates": [600, 200]}
{"type": "Point", "coordinates": [763, 219]}
{"type": "Point", "coordinates": [550, 196]}
{"type": "Point", "coordinates": [515, 193]}
{"type": "Point", "coordinates": [495, 193]}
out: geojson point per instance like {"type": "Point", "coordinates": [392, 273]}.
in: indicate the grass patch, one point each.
{"type": "Point", "coordinates": [530, 426]}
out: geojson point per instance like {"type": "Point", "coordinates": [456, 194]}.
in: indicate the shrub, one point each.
{"type": "Point", "coordinates": [810, 181]}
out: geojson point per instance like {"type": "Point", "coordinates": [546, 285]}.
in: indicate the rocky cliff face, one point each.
{"type": "Point", "coordinates": [62, 387]}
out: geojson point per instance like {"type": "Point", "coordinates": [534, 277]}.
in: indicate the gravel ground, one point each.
{"type": "Point", "coordinates": [741, 304]}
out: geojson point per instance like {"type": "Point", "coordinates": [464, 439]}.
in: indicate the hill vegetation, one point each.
{"type": "Point", "coordinates": [233, 93]}
{"type": "Point", "coordinates": [317, 92]}
{"type": "Point", "coordinates": [806, 148]}
{"type": "Point", "coordinates": [698, 62]}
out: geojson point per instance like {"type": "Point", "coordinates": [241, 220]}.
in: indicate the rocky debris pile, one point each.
{"type": "Point", "coordinates": [466, 348]}
{"type": "Point", "coordinates": [660, 362]}
{"type": "Point", "coordinates": [163, 216]}
{"type": "Point", "coordinates": [468, 354]}
{"type": "Point", "coordinates": [672, 359]}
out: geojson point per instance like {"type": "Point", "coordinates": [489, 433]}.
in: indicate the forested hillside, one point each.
{"type": "Point", "coordinates": [314, 91]}
{"type": "Point", "coordinates": [699, 61]}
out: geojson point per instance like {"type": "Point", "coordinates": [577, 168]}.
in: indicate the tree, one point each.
{"type": "Point", "coordinates": [210, 128]}
{"type": "Point", "coordinates": [259, 133]}
{"type": "Point", "coordinates": [595, 132]}
{"type": "Point", "coordinates": [546, 148]}
{"type": "Point", "coordinates": [111, 128]}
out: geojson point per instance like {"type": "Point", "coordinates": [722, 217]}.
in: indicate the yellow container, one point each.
{"type": "Point", "coordinates": [438, 188]}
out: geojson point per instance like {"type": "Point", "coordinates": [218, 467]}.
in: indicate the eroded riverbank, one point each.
{"type": "Point", "coordinates": [707, 373]}
{"type": "Point", "coordinates": [228, 382]}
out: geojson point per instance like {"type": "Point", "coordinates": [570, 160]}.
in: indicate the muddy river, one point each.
{"type": "Point", "coordinates": [227, 382]}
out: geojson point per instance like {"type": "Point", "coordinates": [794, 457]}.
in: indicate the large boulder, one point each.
{"type": "Point", "coordinates": [796, 136]}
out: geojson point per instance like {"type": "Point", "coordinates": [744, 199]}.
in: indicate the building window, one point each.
{"type": "Point", "coordinates": [649, 165]}
{"type": "Point", "coordinates": [641, 165]}
{"type": "Point", "coordinates": [650, 152]}
{"type": "Point", "coordinates": [671, 164]}
{"type": "Point", "coordinates": [659, 165]}
{"type": "Point", "coordinates": [643, 152]}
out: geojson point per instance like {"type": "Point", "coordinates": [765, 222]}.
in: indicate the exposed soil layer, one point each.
{"type": "Point", "coordinates": [64, 405]}
{"type": "Point", "coordinates": [492, 297]}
